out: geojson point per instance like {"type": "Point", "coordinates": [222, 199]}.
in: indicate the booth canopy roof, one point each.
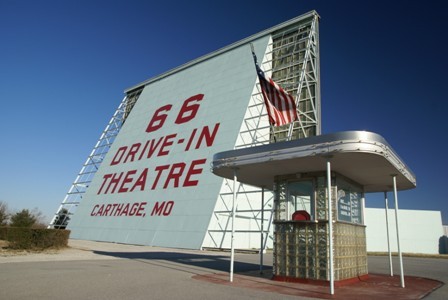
{"type": "Point", "coordinates": [364, 157]}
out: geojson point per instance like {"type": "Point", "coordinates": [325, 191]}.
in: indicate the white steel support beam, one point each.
{"type": "Point", "coordinates": [232, 249]}
{"type": "Point", "coordinates": [330, 227]}
{"type": "Point", "coordinates": [400, 256]}
{"type": "Point", "coordinates": [261, 231]}
{"type": "Point", "coordinates": [386, 204]}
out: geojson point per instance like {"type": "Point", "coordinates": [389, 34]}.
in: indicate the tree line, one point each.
{"type": "Point", "coordinates": [30, 218]}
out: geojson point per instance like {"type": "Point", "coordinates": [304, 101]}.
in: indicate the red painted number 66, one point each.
{"type": "Point", "coordinates": [187, 112]}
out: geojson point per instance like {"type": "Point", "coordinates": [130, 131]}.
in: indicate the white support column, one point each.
{"type": "Point", "coordinates": [363, 208]}
{"type": "Point", "coordinates": [330, 226]}
{"type": "Point", "coordinates": [262, 232]}
{"type": "Point", "coordinates": [232, 249]}
{"type": "Point", "coordinates": [386, 204]}
{"type": "Point", "coordinates": [394, 177]}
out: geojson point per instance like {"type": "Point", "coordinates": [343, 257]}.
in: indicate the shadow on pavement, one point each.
{"type": "Point", "coordinates": [217, 263]}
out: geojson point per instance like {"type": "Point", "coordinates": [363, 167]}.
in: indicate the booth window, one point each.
{"type": "Point", "coordinates": [300, 204]}
{"type": "Point", "coordinates": [349, 201]}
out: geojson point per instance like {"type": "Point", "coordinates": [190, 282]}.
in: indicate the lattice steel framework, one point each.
{"type": "Point", "coordinates": [292, 60]}
{"type": "Point", "coordinates": [94, 160]}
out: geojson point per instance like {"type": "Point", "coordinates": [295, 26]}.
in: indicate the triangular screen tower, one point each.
{"type": "Point", "coordinates": [148, 179]}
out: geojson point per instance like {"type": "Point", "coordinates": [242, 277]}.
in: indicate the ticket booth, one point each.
{"type": "Point", "coordinates": [319, 184]}
{"type": "Point", "coordinates": [301, 228]}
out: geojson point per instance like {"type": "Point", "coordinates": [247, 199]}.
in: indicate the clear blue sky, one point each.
{"type": "Point", "coordinates": [65, 64]}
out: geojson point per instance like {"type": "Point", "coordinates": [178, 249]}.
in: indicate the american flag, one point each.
{"type": "Point", "coordinates": [280, 105]}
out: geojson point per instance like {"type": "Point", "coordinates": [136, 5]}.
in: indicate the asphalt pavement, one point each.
{"type": "Point", "coordinates": [96, 270]}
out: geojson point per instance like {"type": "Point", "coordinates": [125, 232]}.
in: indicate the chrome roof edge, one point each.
{"type": "Point", "coordinates": [323, 145]}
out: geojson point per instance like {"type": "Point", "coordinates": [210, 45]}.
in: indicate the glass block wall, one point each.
{"type": "Point", "coordinates": [301, 248]}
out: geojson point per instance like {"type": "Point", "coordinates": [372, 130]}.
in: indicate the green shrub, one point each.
{"type": "Point", "coordinates": [3, 233]}
{"type": "Point", "coordinates": [34, 238]}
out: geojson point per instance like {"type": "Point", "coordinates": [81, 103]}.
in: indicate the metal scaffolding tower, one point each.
{"type": "Point", "coordinates": [94, 160]}
{"type": "Point", "coordinates": [292, 61]}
